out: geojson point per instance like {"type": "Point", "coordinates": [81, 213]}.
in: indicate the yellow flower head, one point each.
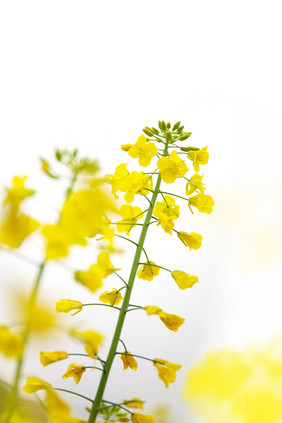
{"type": "Point", "coordinates": [151, 310]}
{"type": "Point", "coordinates": [47, 358]}
{"type": "Point", "coordinates": [58, 240]}
{"type": "Point", "coordinates": [147, 271]}
{"type": "Point", "coordinates": [199, 157]}
{"type": "Point", "coordinates": [134, 403]}
{"type": "Point", "coordinates": [118, 180]}
{"type": "Point", "coordinates": [166, 211]}
{"type": "Point", "coordinates": [112, 297]}
{"type": "Point", "coordinates": [92, 278]}
{"type": "Point", "coordinates": [11, 343]}
{"type": "Point", "coordinates": [76, 371]}
{"type": "Point", "coordinates": [171, 167]}
{"type": "Point", "coordinates": [143, 150]}
{"type": "Point", "coordinates": [171, 321]}
{"type": "Point", "coordinates": [192, 240]}
{"type": "Point", "coordinates": [17, 193]}
{"type": "Point", "coordinates": [59, 411]}
{"type": "Point", "coordinates": [91, 339]}
{"type": "Point", "coordinates": [137, 183]}
{"type": "Point", "coordinates": [33, 384]}
{"type": "Point", "coordinates": [104, 262]}
{"type": "Point", "coordinates": [184, 280]}
{"type": "Point", "coordinates": [142, 418]}
{"type": "Point", "coordinates": [204, 203]}
{"type": "Point", "coordinates": [65, 306]}
{"type": "Point", "coordinates": [128, 361]}
{"type": "Point", "coordinates": [167, 371]}
{"type": "Point", "coordinates": [195, 183]}
{"type": "Point", "coordinates": [130, 216]}
{"type": "Point", "coordinates": [15, 228]}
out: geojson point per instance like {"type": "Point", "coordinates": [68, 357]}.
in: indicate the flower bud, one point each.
{"type": "Point", "coordinates": [168, 125]}
{"type": "Point", "coordinates": [176, 125]}
{"type": "Point", "coordinates": [155, 130]}
{"type": "Point", "coordinates": [148, 132]}
{"type": "Point", "coordinates": [180, 129]}
{"type": "Point", "coordinates": [184, 136]}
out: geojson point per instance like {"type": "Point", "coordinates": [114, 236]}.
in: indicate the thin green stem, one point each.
{"type": "Point", "coordinates": [120, 278]}
{"type": "Point", "coordinates": [123, 344]}
{"type": "Point", "coordinates": [124, 307]}
{"type": "Point", "coordinates": [155, 265]}
{"type": "Point", "coordinates": [140, 356]}
{"type": "Point", "coordinates": [71, 392]}
{"type": "Point", "coordinates": [100, 304]}
{"type": "Point", "coordinates": [175, 195]}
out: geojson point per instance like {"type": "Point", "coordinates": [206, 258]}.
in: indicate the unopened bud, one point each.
{"type": "Point", "coordinates": [155, 130]}
{"type": "Point", "coordinates": [168, 135]}
{"type": "Point", "coordinates": [184, 136]}
{"type": "Point", "coordinates": [180, 129]}
{"type": "Point", "coordinates": [168, 125]}
{"type": "Point", "coordinates": [148, 132]}
{"type": "Point", "coordinates": [176, 125]}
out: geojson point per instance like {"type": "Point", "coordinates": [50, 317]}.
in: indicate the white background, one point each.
{"type": "Point", "coordinates": [91, 75]}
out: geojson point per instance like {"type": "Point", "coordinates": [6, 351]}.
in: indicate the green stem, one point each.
{"type": "Point", "coordinates": [122, 313]}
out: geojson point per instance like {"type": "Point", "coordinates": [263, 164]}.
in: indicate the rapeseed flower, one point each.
{"type": "Point", "coordinates": [17, 193]}
{"type": "Point", "coordinates": [137, 183]}
{"type": "Point", "coordinates": [91, 339]}
{"type": "Point", "coordinates": [130, 216]}
{"type": "Point", "coordinates": [65, 306]}
{"type": "Point", "coordinates": [184, 280]}
{"type": "Point", "coordinates": [128, 361]}
{"type": "Point", "coordinates": [166, 211]}
{"type": "Point", "coordinates": [194, 184]}
{"type": "Point", "coordinates": [11, 343]}
{"type": "Point", "coordinates": [171, 167]}
{"type": "Point", "coordinates": [76, 371]}
{"type": "Point", "coordinates": [33, 384]}
{"type": "Point", "coordinates": [147, 271]}
{"type": "Point", "coordinates": [15, 228]}
{"type": "Point", "coordinates": [192, 240]}
{"type": "Point", "coordinates": [113, 297]}
{"type": "Point", "coordinates": [204, 203]}
{"type": "Point", "coordinates": [171, 321]}
{"type": "Point", "coordinates": [134, 403]}
{"type": "Point", "coordinates": [51, 357]}
{"type": "Point", "coordinates": [58, 410]}
{"type": "Point", "coordinates": [142, 418]}
{"type": "Point", "coordinates": [199, 157]}
{"type": "Point", "coordinates": [143, 150]}
{"type": "Point", "coordinates": [167, 371]}
{"type": "Point", "coordinates": [92, 278]}
{"type": "Point", "coordinates": [118, 180]}
{"type": "Point", "coordinates": [104, 262]}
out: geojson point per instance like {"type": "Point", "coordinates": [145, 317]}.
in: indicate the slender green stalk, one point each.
{"type": "Point", "coordinates": [113, 348]}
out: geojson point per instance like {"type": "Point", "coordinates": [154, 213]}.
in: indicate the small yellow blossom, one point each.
{"type": "Point", "coordinates": [91, 339]}
{"type": "Point", "coordinates": [113, 297]}
{"type": "Point", "coordinates": [126, 147]}
{"type": "Point", "coordinates": [151, 310]}
{"type": "Point", "coordinates": [171, 321]}
{"type": "Point", "coordinates": [166, 211]}
{"type": "Point", "coordinates": [136, 183]}
{"type": "Point", "coordinates": [195, 183]}
{"type": "Point", "coordinates": [171, 167]}
{"type": "Point", "coordinates": [76, 371]}
{"type": "Point", "coordinates": [184, 280]}
{"type": "Point", "coordinates": [167, 371]}
{"type": "Point", "coordinates": [11, 343]}
{"type": "Point", "coordinates": [33, 384]}
{"type": "Point", "coordinates": [147, 271]}
{"type": "Point", "coordinates": [47, 358]}
{"type": "Point", "coordinates": [92, 278]}
{"type": "Point", "coordinates": [142, 418]}
{"type": "Point", "coordinates": [58, 410]}
{"type": "Point", "coordinates": [128, 361]}
{"type": "Point", "coordinates": [17, 193]}
{"type": "Point", "coordinates": [118, 180]}
{"type": "Point", "coordinates": [59, 239]}
{"type": "Point", "coordinates": [130, 216]}
{"type": "Point", "coordinates": [192, 240]}
{"type": "Point", "coordinates": [104, 262]}
{"type": "Point", "coordinates": [204, 203]}
{"type": "Point", "coordinates": [134, 403]}
{"type": "Point", "coordinates": [143, 150]}
{"type": "Point", "coordinates": [65, 306]}
{"type": "Point", "coordinates": [15, 228]}
{"type": "Point", "coordinates": [199, 157]}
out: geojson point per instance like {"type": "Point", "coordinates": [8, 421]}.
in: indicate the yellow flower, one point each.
{"type": "Point", "coordinates": [171, 321]}
{"type": "Point", "coordinates": [142, 418]}
{"type": "Point", "coordinates": [15, 228]}
{"type": "Point", "coordinates": [137, 183]}
{"type": "Point", "coordinates": [204, 203]}
{"type": "Point", "coordinates": [147, 271]}
{"type": "Point", "coordinates": [91, 339]}
{"type": "Point", "coordinates": [166, 211]}
{"type": "Point", "coordinates": [103, 261]}
{"type": "Point", "coordinates": [126, 147]}
{"type": "Point", "coordinates": [128, 361]}
{"type": "Point", "coordinates": [199, 157]}
{"type": "Point", "coordinates": [58, 410]}
{"type": "Point", "coordinates": [113, 297]}
{"type": "Point", "coordinates": [47, 358]}
{"type": "Point", "coordinates": [58, 241]}
{"type": "Point", "coordinates": [17, 193]}
{"type": "Point", "coordinates": [167, 371]}
{"type": "Point", "coordinates": [92, 278]}
{"type": "Point", "coordinates": [192, 240]}
{"type": "Point", "coordinates": [130, 216]}
{"type": "Point", "coordinates": [11, 343]}
{"type": "Point", "coordinates": [76, 371]}
{"type": "Point", "coordinates": [134, 403]}
{"type": "Point", "coordinates": [195, 183]}
{"type": "Point", "coordinates": [151, 310]}
{"type": "Point", "coordinates": [33, 384]}
{"type": "Point", "coordinates": [184, 280]}
{"type": "Point", "coordinates": [143, 150]}
{"type": "Point", "coordinates": [118, 179]}
{"type": "Point", "coordinates": [171, 167]}
{"type": "Point", "coordinates": [64, 306]}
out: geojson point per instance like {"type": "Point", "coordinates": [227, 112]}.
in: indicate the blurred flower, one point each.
{"type": "Point", "coordinates": [90, 338]}
{"type": "Point", "coordinates": [142, 418]}
{"type": "Point", "coordinates": [17, 193]}
{"type": "Point", "coordinates": [15, 228]}
{"type": "Point", "coordinates": [58, 410]}
{"type": "Point", "coordinates": [33, 384]}
{"type": "Point", "coordinates": [47, 358]}
{"type": "Point", "coordinates": [65, 306]}
{"type": "Point", "coordinates": [134, 403]}
{"type": "Point", "coordinates": [11, 343]}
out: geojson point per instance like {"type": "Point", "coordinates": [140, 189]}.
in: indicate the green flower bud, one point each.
{"type": "Point", "coordinates": [168, 125]}
{"type": "Point", "coordinates": [58, 155]}
{"type": "Point", "coordinates": [184, 136]}
{"type": "Point", "coordinates": [176, 125]}
{"type": "Point", "coordinates": [168, 135]}
{"type": "Point", "coordinates": [180, 129]}
{"type": "Point", "coordinates": [155, 130]}
{"type": "Point", "coordinates": [148, 132]}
